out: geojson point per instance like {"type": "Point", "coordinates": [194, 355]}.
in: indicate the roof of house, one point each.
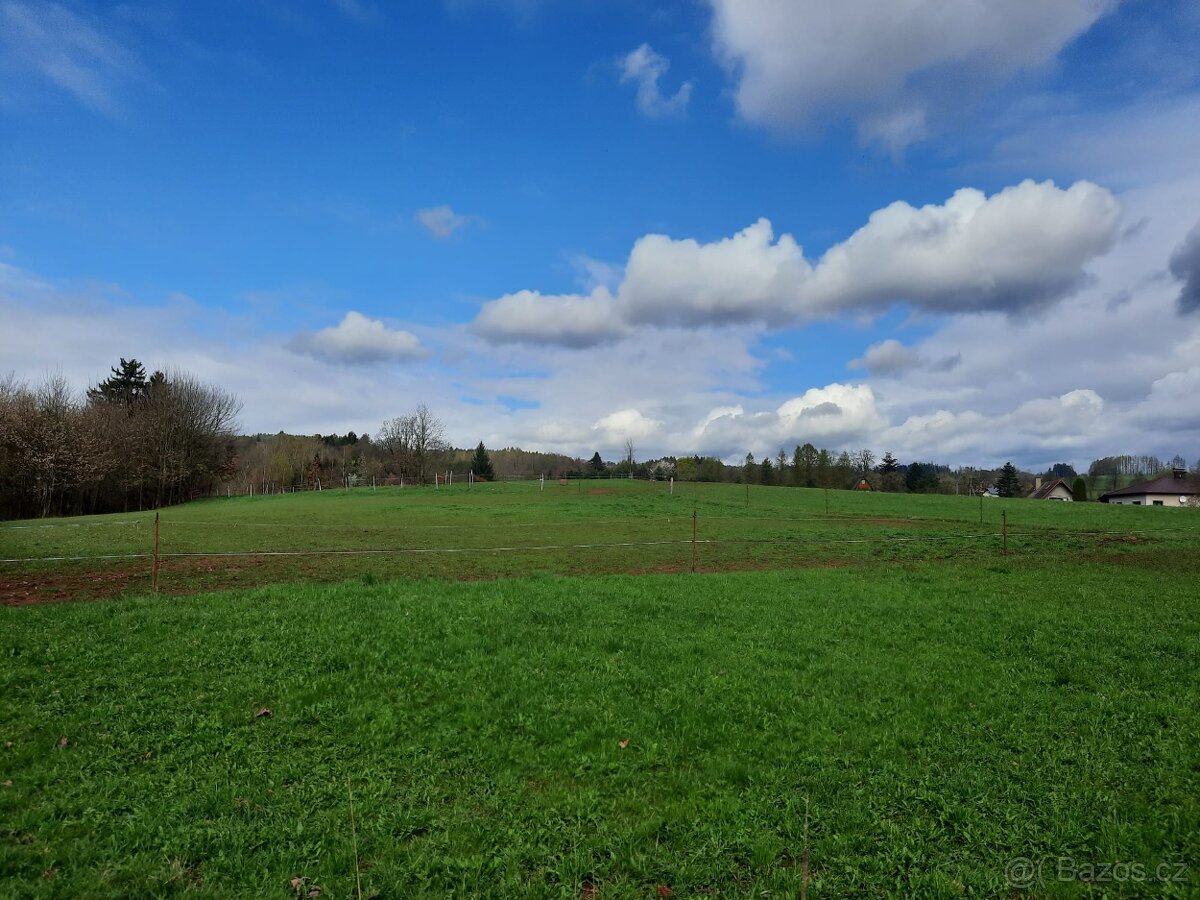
{"type": "Point", "coordinates": [1047, 489]}
{"type": "Point", "coordinates": [1171, 483]}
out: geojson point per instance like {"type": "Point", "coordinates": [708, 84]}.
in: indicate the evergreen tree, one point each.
{"type": "Point", "coordinates": [481, 465]}
{"type": "Point", "coordinates": [597, 464]}
{"type": "Point", "coordinates": [748, 469]}
{"type": "Point", "coordinates": [768, 471]}
{"type": "Point", "coordinates": [125, 386]}
{"type": "Point", "coordinates": [889, 472]}
{"type": "Point", "coordinates": [1061, 470]}
{"type": "Point", "coordinates": [1008, 484]}
{"type": "Point", "coordinates": [804, 465]}
{"type": "Point", "coordinates": [822, 470]}
{"type": "Point", "coordinates": [921, 478]}
{"type": "Point", "coordinates": [1079, 491]}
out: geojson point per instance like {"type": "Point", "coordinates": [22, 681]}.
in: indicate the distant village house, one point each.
{"type": "Point", "coordinates": [1175, 489]}
{"type": "Point", "coordinates": [1052, 489]}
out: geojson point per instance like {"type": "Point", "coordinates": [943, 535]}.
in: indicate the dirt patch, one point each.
{"type": "Point", "coordinates": [596, 491]}
{"type": "Point", "coordinates": [1123, 540]}
{"type": "Point", "coordinates": [34, 588]}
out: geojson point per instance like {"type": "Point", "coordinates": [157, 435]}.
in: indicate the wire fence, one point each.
{"type": "Point", "coordinates": [725, 536]}
{"type": "Point", "coordinates": [642, 544]}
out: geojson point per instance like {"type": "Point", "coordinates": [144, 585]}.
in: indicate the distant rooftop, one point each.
{"type": "Point", "coordinates": [1047, 488]}
{"type": "Point", "coordinates": [1176, 482]}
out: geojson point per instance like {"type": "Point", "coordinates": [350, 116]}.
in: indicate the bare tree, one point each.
{"type": "Point", "coordinates": [629, 448]}
{"type": "Point", "coordinates": [429, 439]}
{"type": "Point", "coordinates": [413, 441]}
{"type": "Point", "coordinates": [187, 426]}
{"type": "Point", "coordinates": [864, 460]}
{"type": "Point", "coordinates": [395, 438]}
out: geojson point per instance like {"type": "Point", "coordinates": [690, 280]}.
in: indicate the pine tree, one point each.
{"type": "Point", "coordinates": [889, 472]}
{"type": "Point", "coordinates": [767, 471]}
{"type": "Point", "coordinates": [124, 387]}
{"type": "Point", "coordinates": [481, 465]}
{"type": "Point", "coordinates": [1008, 484]}
{"type": "Point", "coordinates": [597, 464]}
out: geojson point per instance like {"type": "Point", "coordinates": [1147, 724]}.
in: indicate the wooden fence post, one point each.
{"type": "Point", "coordinates": [693, 541]}
{"type": "Point", "coordinates": [154, 578]}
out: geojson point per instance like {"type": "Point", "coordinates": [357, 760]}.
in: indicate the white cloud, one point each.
{"type": "Point", "coordinates": [357, 340]}
{"type": "Point", "coordinates": [48, 42]}
{"type": "Point", "coordinates": [644, 67]}
{"type": "Point", "coordinates": [443, 221]}
{"type": "Point", "coordinates": [569, 320]}
{"type": "Point", "coordinates": [1024, 247]}
{"type": "Point", "coordinates": [884, 64]}
{"type": "Point", "coordinates": [626, 424]}
{"type": "Point", "coordinates": [747, 277]}
{"type": "Point", "coordinates": [837, 415]}
{"type": "Point", "coordinates": [886, 357]}
{"type": "Point", "coordinates": [1172, 399]}
{"type": "Point", "coordinates": [594, 273]}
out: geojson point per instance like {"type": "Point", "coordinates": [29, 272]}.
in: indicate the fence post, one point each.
{"type": "Point", "coordinates": [693, 541]}
{"type": "Point", "coordinates": [154, 577]}
{"type": "Point", "coordinates": [1004, 531]}
{"type": "Point", "coordinates": [981, 507]}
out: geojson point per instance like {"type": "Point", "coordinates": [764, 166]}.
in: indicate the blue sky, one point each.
{"type": "Point", "coordinates": [956, 231]}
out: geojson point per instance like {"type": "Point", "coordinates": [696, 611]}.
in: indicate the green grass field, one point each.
{"type": "Point", "coordinates": [866, 702]}
{"type": "Point", "coordinates": [580, 528]}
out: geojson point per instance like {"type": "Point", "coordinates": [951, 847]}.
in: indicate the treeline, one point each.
{"type": "Point", "coordinates": [135, 442]}
{"type": "Point", "coordinates": [813, 467]}
{"type": "Point", "coordinates": [131, 442]}
{"type": "Point", "coordinates": [1136, 465]}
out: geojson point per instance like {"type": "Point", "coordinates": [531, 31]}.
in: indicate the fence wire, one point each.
{"type": "Point", "coordinates": [810, 540]}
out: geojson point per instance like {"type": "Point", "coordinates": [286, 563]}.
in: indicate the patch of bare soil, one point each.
{"type": "Point", "coordinates": [29, 589]}
{"type": "Point", "coordinates": [1166, 562]}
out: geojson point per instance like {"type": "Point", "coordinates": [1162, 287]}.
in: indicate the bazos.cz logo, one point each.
{"type": "Point", "coordinates": [1027, 872]}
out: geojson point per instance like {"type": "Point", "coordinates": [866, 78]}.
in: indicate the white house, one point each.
{"type": "Point", "coordinates": [1051, 490]}
{"type": "Point", "coordinates": [1176, 489]}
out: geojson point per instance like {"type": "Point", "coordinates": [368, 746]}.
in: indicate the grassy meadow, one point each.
{"type": "Point", "coordinates": [869, 701]}
{"type": "Point", "coordinates": [575, 528]}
